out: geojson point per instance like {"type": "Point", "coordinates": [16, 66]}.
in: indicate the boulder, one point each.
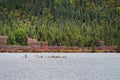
{"type": "Point", "coordinates": [33, 42]}
{"type": "Point", "coordinates": [3, 40]}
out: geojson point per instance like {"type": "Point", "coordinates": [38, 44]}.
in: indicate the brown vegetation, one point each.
{"type": "Point", "coordinates": [55, 49]}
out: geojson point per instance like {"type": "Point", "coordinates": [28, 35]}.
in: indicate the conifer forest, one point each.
{"type": "Point", "coordinates": [81, 23]}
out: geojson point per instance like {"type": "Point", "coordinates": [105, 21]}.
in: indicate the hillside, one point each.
{"type": "Point", "coordinates": [82, 23]}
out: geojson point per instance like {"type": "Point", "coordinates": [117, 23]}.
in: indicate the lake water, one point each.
{"type": "Point", "coordinates": [59, 66]}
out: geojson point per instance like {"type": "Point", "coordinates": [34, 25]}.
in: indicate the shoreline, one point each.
{"type": "Point", "coordinates": [61, 49]}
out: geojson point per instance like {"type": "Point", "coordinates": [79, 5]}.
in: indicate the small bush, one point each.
{"type": "Point", "coordinates": [118, 49]}
{"type": "Point", "coordinates": [93, 46]}
{"type": "Point", "coordinates": [11, 39]}
{"type": "Point", "coordinates": [118, 44]}
{"type": "Point", "coordinates": [21, 37]}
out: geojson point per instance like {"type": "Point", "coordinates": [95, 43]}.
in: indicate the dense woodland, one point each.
{"type": "Point", "coordinates": [82, 23]}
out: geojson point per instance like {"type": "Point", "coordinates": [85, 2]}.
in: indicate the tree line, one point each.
{"type": "Point", "coordinates": [63, 22]}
